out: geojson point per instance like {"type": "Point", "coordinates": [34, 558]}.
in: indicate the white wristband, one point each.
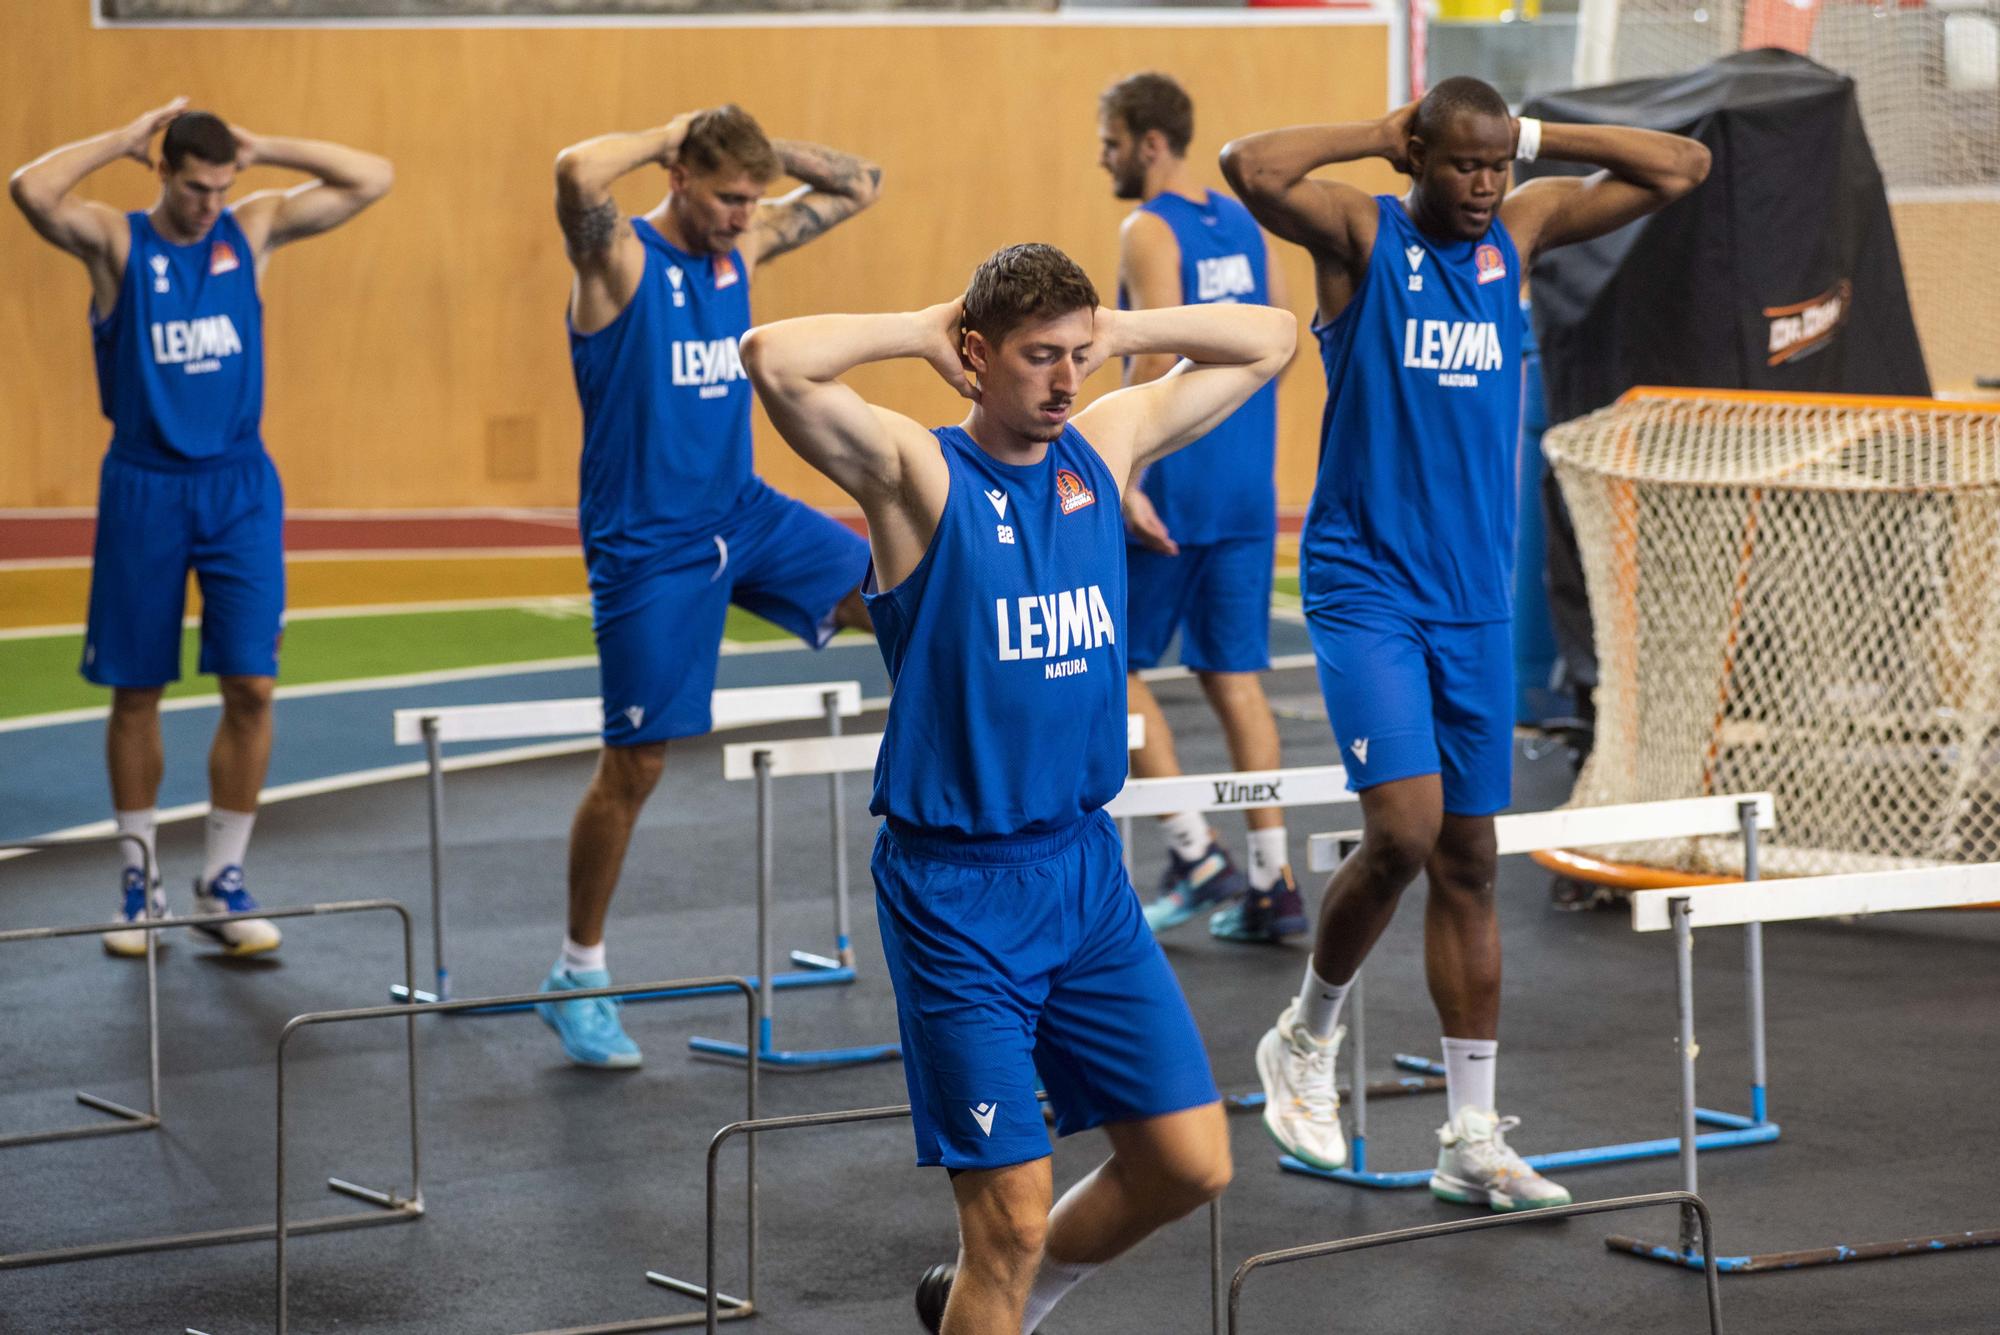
{"type": "Point", "coordinates": [1530, 140]}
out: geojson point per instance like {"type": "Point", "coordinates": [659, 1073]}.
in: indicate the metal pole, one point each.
{"type": "Point", "coordinates": [843, 930]}
{"type": "Point", "coordinates": [1125, 841]}
{"type": "Point", "coordinates": [152, 985]}
{"type": "Point", "coordinates": [1684, 1005]}
{"type": "Point", "coordinates": [434, 756]}
{"type": "Point", "coordinates": [1358, 1081]}
{"type": "Point", "coordinates": [1753, 961]}
{"type": "Point", "coordinates": [1216, 1283]}
{"type": "Point", "coordinates": [767, 991]}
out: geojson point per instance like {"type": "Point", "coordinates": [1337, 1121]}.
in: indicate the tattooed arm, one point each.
{"type": "Point", "coordinates": [608, 258]}
{"type": "Point", "coordinates": [835, 186]}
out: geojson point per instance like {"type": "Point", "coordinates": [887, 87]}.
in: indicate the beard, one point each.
{"type": "Point", "coordinates": [1129, 182]}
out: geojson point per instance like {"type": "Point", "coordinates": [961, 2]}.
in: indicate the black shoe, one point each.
{"type": "Point", "coordinates": [933, 1292]}
{"type": "Point", "coordinates": [1569, 895]}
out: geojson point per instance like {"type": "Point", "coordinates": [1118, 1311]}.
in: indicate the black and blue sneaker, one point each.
{"type": "Point", "coordinates": [1274, 915]}
{"type": "Point", "coordinates": [1190, 887]}
{"type": "Point", "coordinates": [934, 1291]}
{"type": "Point", "coordinates": [226, 894]}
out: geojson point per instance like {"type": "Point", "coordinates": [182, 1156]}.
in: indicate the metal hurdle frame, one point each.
{"type": "Point", "coordinates": [1684, 910]}
{"type": "Point", "coordinates": [409, 1011]}
{"type": "Point", "coordinates": [1692, 1208]}
{"type": "Point", "coordinates": [738, 707]}
{"type": "Point", "coordinates": [127, 1119]}
{"type": "Point", "coordinates": [1742, 814]}
{"type": "Point", "coordinates": [1241, 790]}
{"type": "Point", "coordinates": [393, 1209]}
{"type": "Point", "coordinates": [832, 756]}
{"type": "Point", "coordinates": [722, 1307]}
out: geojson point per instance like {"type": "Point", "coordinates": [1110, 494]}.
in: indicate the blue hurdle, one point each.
{"type": "Point", "coordinates": [582, 720]}
{"type": "Point", "coordinates": [1742, 814]}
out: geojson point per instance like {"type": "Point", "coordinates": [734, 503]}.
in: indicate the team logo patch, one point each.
{"type": "Point", "coordinates": [1074, 494]}
{"type": "Point", "coordinates": [725, 273]}
{"type": "Point", "coordinates": [159, 273]}
{"type": "Point", "coordinates": [222, 258]}
{"type": "Point", "coordinates": [1491, 267]}
{"type": "Point", "coordinates": [1807, 326]}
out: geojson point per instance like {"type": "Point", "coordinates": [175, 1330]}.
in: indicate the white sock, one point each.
{"type": "Point", "coordinates": [1267, 857]}
{"type": "Point", "coordinates": [1468, 1074]}
{"type": "Point", "coordinates": [576, 958]}
{"type": "Point", "coordinates": [1052, 1281]}
{"type": "Point", "coordinates": [227, 842]}
{"type": "Point", "coordinates": [142, 823]}
{"type": "Point", "coordinates": [1320, 1003]}
{"type": "Point", "coordinates": [1187, 834]}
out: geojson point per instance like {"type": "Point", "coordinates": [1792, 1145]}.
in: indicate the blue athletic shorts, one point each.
{"type": "Point", "coordinates": [1217, 594]}
{"type": "Point", "coordinates": [1016, 957]}
{"type": "Point", "coordinates": [226, 524]}
{"type": "Point", "coordinates": [659, 634]}
{"type": "Point", "coordinates": [1412, 697]}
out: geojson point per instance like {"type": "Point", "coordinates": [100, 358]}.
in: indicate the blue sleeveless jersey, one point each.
{"type": "Point", "coordinates": [180, 359]}
{"type": "Point", "coordinates": [1414, 507]}
{"type": "Point", "coordinates": [1224, 485]}
{"type": "Point", "coordinates": [666, 410]}
{"type": "Point", "coordinates": [1008, 710]}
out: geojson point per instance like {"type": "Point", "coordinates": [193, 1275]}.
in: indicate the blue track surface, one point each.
{"type": "Point", "coordinates": [54, 776]}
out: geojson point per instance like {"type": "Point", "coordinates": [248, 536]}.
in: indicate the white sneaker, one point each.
{"type": "Point", "coordinates": [132, 945]}
{"type": "Point", "coordinates": [225, 894]}
{"type": "Point", "coordinates": [1477, 1167]}
{"type": "Point", "coordinates": [1301, 1106]}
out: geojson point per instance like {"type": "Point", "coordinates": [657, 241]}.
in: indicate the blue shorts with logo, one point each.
{"type": "Point", "coordinates": [1411, 697]}
{"type": "Point", "coordinates": [659, 633]}
{"type": "Point", "coordinates": [1021, 956]}
{"type": "Point", "coordinates": [226, 523]}
{"type": "Point", "coordinates": [1217, 594]}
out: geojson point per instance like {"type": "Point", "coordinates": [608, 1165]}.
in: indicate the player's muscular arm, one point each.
{"type": "Point", "coordinates": [345, 181]}
{"type": "Point", "coordinates": [1336, 222]}
{"type": "Point", "coordinates": [885, 461]}
{"type": "Point", "coordinates": [834, 186]}
{"type": "Point", "coordinates": [94, 233]}
{"type": "Point", "coordinates": [1227, 352]}
{"type": "Point", "coordinates": [607, 257]}
{"type": "Point", "coordinates": [1644, 171]}
{"type": "Point", "coordinates": [1149, 272]}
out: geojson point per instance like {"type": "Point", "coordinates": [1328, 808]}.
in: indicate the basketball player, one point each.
{"type": "Point", "coordinates": [675, 525]}
{"type": "Point", "coordinates": [177, 324]}
{"type": "Point", "coordinates": [1201, 526]}
{"type": "Point", "coordinates": [1407, 552]}
{"type": "Point", "coordinates": [1011, 931]}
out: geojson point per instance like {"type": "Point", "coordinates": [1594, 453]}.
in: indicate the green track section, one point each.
{"type": "Point", "coordinates": [39, 675]}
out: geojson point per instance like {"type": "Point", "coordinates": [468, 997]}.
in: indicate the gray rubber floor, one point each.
{"type": "Point", "coordinates": [551, 1190]}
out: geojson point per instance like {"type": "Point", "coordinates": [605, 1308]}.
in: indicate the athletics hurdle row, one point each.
{"type": "Point", "coordinates": [1741, 814]}
{"type": "Point", "coordinates": [1751, 903]}
{"type": "Point", "coordinates": [583, 716]}
{"type": "Point", "coordinates": [1305, 786]}
{"type": "Point", "coordinates": [832, 756]}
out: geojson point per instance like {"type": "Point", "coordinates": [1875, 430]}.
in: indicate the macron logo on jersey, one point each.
{"type": "Point", "coordinates": [1224, 278]}
{"type": "Point", "coordinates": [712, 365]}
{"type": "Point", "coordinates": [1054, 626]}
{"type": "Point", "coordinates": [1454, 348]}
{"type": "Point", "coordinates": [196, 346]}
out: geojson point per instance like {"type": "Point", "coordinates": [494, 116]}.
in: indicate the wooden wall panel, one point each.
{"type": "Point", "coordinates": [417, 356]}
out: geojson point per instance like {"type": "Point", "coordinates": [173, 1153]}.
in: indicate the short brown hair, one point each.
{"type": "Point", "coordinates": [198, 134]}
{"type": "Point", "coordinates": [728, 137]}
{"type": "Point", "coordinates": [1151, 101]}
{"type": "Point", "coordinates": [1022, 283]}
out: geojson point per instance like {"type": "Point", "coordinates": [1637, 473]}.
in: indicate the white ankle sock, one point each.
{"type": "Point", "coordinates": [142, 823]}
{"type": "Point", "coordinates": [1267, 857]}
{"type": "Point", "coordinates": [1468, 1073]}
{"type": "Point", "coordinates": [1187, 834]}
{"type": "Point", "coordinates": [228, 840]}
{"type": "Point", "coordinates": [1320, 1003]}
{"type": "Point", "coordinates": [1052, 1281]}
{"type": "Point", "coordinates": [576, 958]}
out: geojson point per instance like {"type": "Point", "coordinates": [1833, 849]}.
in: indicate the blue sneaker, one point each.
{"type": "Point", "coordinates": [132, 945]}
{"type": "Point", "coordinates": [589, 1029]}
{"type": "Point", "coordinates": [1187, 888]}
{"type": "Point", "coordinates": [1272, 915]}
{"type": "Point", "coordinates": [225, 894]}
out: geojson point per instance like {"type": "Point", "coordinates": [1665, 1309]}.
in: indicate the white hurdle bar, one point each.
{"type": "Point", "coordinates": [1739, 814]}
{"type": "Point", "coordinates": [1751, 903]}
{"type": "Point", "coordinates": [806, 756]}
{"type": "Point", "coordinates": [583, 716]}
